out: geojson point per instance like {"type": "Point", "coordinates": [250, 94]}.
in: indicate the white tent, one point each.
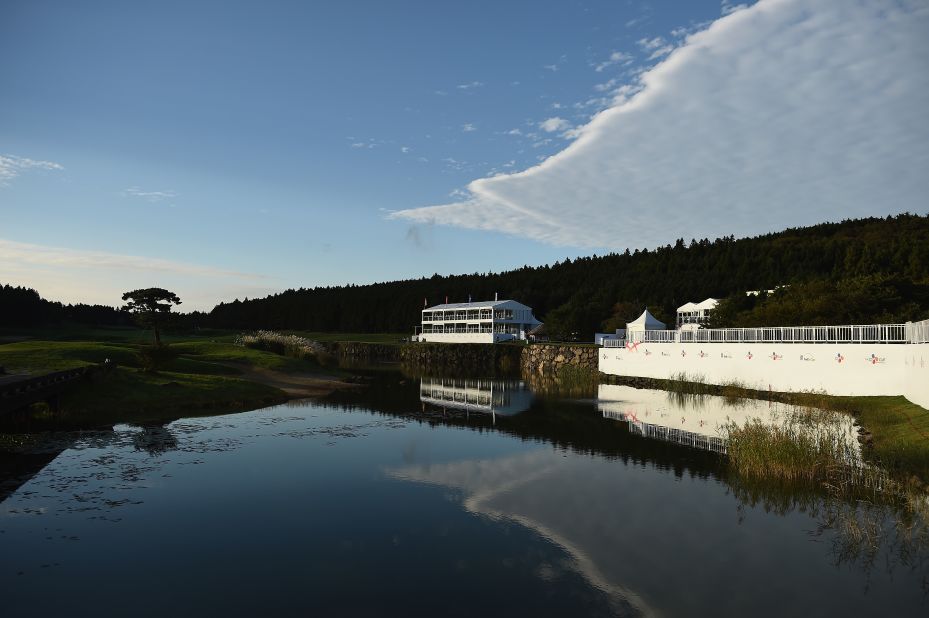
{"type": "Point", "coordinates": [646, 321]}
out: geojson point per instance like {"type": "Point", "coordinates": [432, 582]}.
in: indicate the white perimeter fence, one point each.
{"type": "Point", "coordinates": [911, 332]}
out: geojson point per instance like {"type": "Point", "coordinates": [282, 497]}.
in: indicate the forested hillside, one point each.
{"type": "Point", "coordinates": [21, 306]}
{"type": "Point", "coordinates": [24, 307]}
{"type": "Point", "coordinates": [870, 270]}
{"type": "Point", "coordinates": [881, 266]}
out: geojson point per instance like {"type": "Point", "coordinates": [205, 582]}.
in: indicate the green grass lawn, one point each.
{"type": "Point", "coordinates": [40, 357]}
{"type": "Point", "coordinates": [128, 334]}
{"type": "Point", "coordinates": [899, 428]}
{"type": "Point", "coordinates": [351, 337]}
{"type": "Point", "coordinates": [202, 377]}
{"type": "Point", "coordinates": [108, 334]}
{"type": "Point", "coordinates": [214, 351]}
{"type": "Point", "coordinates": [131, 396]}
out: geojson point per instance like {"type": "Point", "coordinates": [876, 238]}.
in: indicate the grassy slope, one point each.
{"type": "Point", "coordinates": [198, 379]}
{"type": "Point", "coordinates": [899, 429]}
{"type": "Point", "coordinates": [128, 395]}
{"type": "Point", "coordinates": [351, 337]}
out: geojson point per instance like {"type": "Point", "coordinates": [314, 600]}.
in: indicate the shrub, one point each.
{"type": "Point", "coordinates": [155, 357]}
{"type": "Point", "coordinates": [285, 345]}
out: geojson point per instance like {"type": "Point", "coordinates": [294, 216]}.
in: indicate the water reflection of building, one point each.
{"type": "Point", "coordinates": [505, 397]}
{"type": "Point", "coordinates": [701, 421]}
{"type": "Point", "coordinates": [698, 422]}
{"type": "Point", "coordinates": [668, 434]}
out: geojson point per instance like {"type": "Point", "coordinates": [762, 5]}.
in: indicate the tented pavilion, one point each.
{"type": "Point", "coordinates": [644, 322]}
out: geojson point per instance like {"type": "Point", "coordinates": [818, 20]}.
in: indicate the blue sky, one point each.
{"type": "Point", "coordinates": [236, 149]}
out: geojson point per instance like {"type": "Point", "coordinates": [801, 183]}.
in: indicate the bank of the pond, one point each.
{"type": "Point", "coordinates": [204, 377]}
{"type": "Point", "coordinates": [893, 431]}
{"type": "Point", "coordinates": [537, 358]}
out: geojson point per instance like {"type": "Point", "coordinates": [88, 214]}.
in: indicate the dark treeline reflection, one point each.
{"type": "Point", "coordinates": [871, 530]}
{"type": "Point", "coordinates": [26, 455]}
{"type": "Point", "coordinates": [865, 527]}
{"type": "Point", "coordinates": [565, 423]}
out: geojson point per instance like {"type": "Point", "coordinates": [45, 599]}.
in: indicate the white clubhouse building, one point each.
{"type": "Point", "coordinates": [488, 321]}
{"type": "Point", "coordinates": [695, 315]}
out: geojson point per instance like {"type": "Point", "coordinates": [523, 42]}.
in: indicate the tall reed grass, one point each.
{"type": "Point", "coordinates": [805, 445]}
{"type": "Point", "coordinates": [812, 462]}
{"type": "Point", "coordinates": [285, 345]}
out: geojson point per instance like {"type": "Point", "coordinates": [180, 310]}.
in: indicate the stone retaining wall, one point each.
{"type": "Point", "coordinates": [487, 359]}
{"type": "Point", "coordinates": [460, 358]}
{"type": "Point", "coordinates": [549, 358]}
{"type": "Point", "coordinates": [365, 351]}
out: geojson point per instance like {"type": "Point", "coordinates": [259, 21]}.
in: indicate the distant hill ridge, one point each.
{"type": "Point", "coordinates": [841, 263]}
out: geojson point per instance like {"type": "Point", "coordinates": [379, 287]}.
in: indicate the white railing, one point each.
{"type": "Point", "coordinates": [653, 336]}
{"type": "Point", "coordinates": [911, 332]}
{"type": "Point", "coordinates": [869, 333]}
{"type": "Point", "coordinates": [918, 331]}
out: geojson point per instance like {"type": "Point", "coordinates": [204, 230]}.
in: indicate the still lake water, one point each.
{"type": "Point", "coordinates": [432, 497]}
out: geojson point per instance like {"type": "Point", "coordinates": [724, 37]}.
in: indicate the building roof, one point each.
{"type": "Point", "coordinates": [481, 304]}
{"type": "Point", "coordinates": [709, 303]}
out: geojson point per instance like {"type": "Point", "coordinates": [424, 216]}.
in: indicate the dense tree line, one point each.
{"type": "Point", "coordinates": [865, 299]}
{"type": "Point", "coordinates": [22, 306]}
{"type": "Point", "coordinates": [856, 271]}
{"type": "Point", "coordinates": [844, 262]}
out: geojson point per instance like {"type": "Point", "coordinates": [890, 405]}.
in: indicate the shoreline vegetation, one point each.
{"type": "Point", "coordinates": [205, 373]}
{"type": "Point", "coordinates": [892, 431]}
{"type": "Point", "coordinates": [214, 372]}
{"type": "Point", "coordinates": [873, 499]}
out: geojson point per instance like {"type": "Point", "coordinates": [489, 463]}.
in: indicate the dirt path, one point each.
{"type": "Point", "coordinates": [296, 385]}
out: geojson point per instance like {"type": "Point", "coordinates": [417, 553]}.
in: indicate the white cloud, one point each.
{"type": "Point", "coordinates": [26, 253]}
{"type": "Point", "coordinates": [657, 47]}
{"type": "Point", "coordinates": [615, 58]}
{"type": "Point", "coordinates": [650, 44]}
{"type": "Point", "coordinates": [151, 196]}
{"type": "Point", "coordinates": [727, 7]}
{"type": "Point", "coordinates": [73, 275]}
{"type": "Point", "coordinates": [664, 50]}
{"type": "Point", "coordinates": [825, 120]}
{"type": "Point", "coordinates": [554, 124]}
{"type": "Point", "coordinates": [470, 85]}
{"type": "Point", "coordinates": [551, 67]}
{"type": "Point", "coordinates": [468, 127]}
{"type": "Point", "coordinates": [369, 144]}
{"type": "Point", "coordinates": [605, 86]}
{"type": "Point", "coordinates": [454, 164]}
{"type": "Point", "coordinates": [12, 166]}
{"type": "Point", "coordinates": [514, 132]}
{"type": "Point", "coordinates": [404, 149]}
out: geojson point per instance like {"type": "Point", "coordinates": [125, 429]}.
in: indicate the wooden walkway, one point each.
{"type": "Point", "coordinates": [20, 391]}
